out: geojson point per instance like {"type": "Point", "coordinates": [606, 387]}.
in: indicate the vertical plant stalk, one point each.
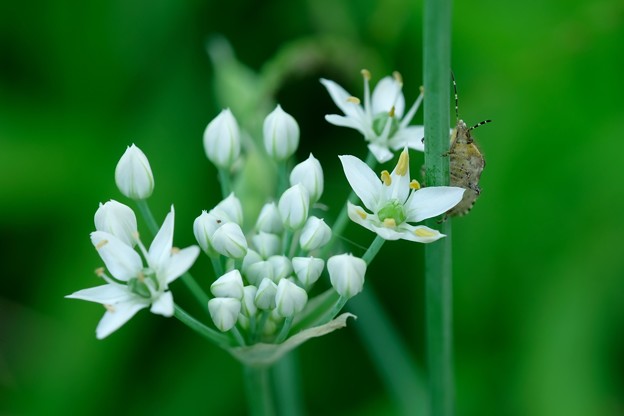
{"type": "Point", "coordinates": [438, 263]}
{"type": "Point", "coordinates": [258, 389]}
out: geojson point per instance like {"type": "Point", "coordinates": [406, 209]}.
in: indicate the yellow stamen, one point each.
{"type": "Point", "coordinates": [110, 308]}
{"type": "Point", "coordinates": [175, 250]}
{"type": "Point", "coordinates": [99, 272]}
{"type": "Point", "coordinates": [141, 277]}
{"type": "Point", "coordinates": [391, 112]}
{"type": "Point", "coordinates": [361, 213]}
{"type": "Point", "coordinates": [366, 74]}
{"type": "Point", "coordinates": [424, 232]}
{"type": "Point", "coordinates": [386, 178]}
{"type": "Point", "coordinates": [422, 89]}
{"type": "Point", "coordinates": [101, 244]}
{"type": "Point", "coordinates": [397, 76]}
{"type": "Point", "coordinates": [353, 100]}
{"type": "Point", "coordinates": [389, 222]}
{"type": "Point", "coordinates": [414, 185]}
{"type": "Point", "coordinates": [403, 164]}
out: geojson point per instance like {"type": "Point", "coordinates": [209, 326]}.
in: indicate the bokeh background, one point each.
{"type": "Point", "coordinates": [538, 264]}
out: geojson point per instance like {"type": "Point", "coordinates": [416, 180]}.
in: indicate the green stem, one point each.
{"type": "Point", "coordinates": [147, 215]}
{"type": "Point", "coordinates": [238, 336]}
{"type": "Point", "coordinates": [226, 184]}
{"type": "Point", "coordinates": [373, 249]}
{"type": "Point", "coordinates": [287, 381]}
{"type": "Point", "coordinates": [209, 333]}
{"type": "Point", "coordinates": [285, 329]}
{"type": "Point", "coordinates": [259, 392]}
{"type": "Point", "coordinates": [216, 265]}
{"type": "Point", "coordinates": [438, 277]}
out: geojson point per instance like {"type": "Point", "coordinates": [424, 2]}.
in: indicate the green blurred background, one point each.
{"type": "Point", "coordinates": [538, 264]}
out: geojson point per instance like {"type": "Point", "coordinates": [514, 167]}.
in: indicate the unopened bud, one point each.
{"type": "Point", "coordinates": [133, 174]}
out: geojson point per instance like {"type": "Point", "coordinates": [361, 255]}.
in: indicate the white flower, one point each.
{"type": "Point", "coordinates": [230, 210]}
{"type": "Point", "coordinates": [309, 173]}
{"type": "Point", "coordinates": [144, 286]}
{"type": "Point", "coordinates": [204, 228]}
{"type": "Point", "coordinates": [281, 134]}
{"type": "Point", "coordinates": [117, 219]}
{"type": "Point", "coordinates": [224, 312]}
{"type": "Point", "coordinates": [395, 201]}
{"type": "Point", "coordinates": [346, 274]}
{"type": "Point", "coordinates": [266, 244]}
{"type": "Point", "coordinates": [289, 298]}
{"type": "Point", "coordinates": [315, 234]}
{"type": "Point", "coordinates": [293, 207]}
{"type": "Point", "coordinates": [248, 307]}
{"type": "Point", "coordinates": [380, 120]}
{"type": "Point", "coordinates": [230, 285]}
{"type": "Point", "coordinates": [308, 269]}
{"type": "Point", "coordinates": [222, 140]}
{"type": "Point", "coordinates": [133, 174]}
{"type": "Point", "coordinates": [282, 267]}
{"type": "Point", "coordinates": [206, 225]}
{"type": "Point", "coordinates": [269, 219]}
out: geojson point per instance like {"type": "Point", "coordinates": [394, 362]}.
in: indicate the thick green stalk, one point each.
{"type": "Point", "coordinates": [259, 392]}
{"type": "Point", "coordinates": [438, 276]}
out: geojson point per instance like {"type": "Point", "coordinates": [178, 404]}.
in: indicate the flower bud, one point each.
{"type": "Point", "coordinates": [266, 244]}
{"type": "Point", "coordinates": [258, 271]}
{"type": "Point", "coordinates": [281, 134]}
{"type": "Point", "coordinates": [282, 267]}
{"type": "Point", "coordinates": [308, 269]}
{"type": "Point", "coordinates": [265, 296]}
{"type": "Point", "coordinates": [269, 219]}
{"type": "Point", "coordinates": [250, 258]}
{"type": "Point", "coordinates": [117, 219]}
{"type": "Point", "coordinates": [290, 298]}
{"type": "Point", "coordinates": [133, 174]}
{"type": "Point", "coordinates": [229, 240]}
{"type": "Point", "coordinates": [224, 312]}
{"type": "Point", "coordinates": [222, 140]}
{"type": "Point", "coordinates": [315, 234]}
{"type": "Point", "coordinates": [230, 285]}
{"type": "Point", "coordinates": [204, 228]}
{"type": "Point", "coordinates": [346, 274]}
{"type": "Point", "coordinates": [293, 207]}
{"type": "Point", "coordinates": [249, 308]}
{"type": "Point", "coordinates": [309, 173]}
{"type": "Point", "coordinates": [229, 210]}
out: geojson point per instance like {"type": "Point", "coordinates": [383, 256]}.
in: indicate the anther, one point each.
{"type": "Point", "coordinates": [101, 244]}
{"type": "Point", "coordinates": [366, 74]}
{"type": "Point", "coordinates": [110, 308]}
{"type": "Point", "coordinates": [175, 250]}
{"type": "Point", "coordinates": [422, 89]}
{"type": "Point", "coordinates": [386, 178]}
{"type": "Point", "coordinates": [391, 112]}
{"type": "Point", "coordinates": [99, 272]}
{"type": "Point", "coordinates": [141, 277]}
{"type": "Point", "coordinates": [414, 184]}
{"type": "Point", "coordinates": [353, 100]}
{"type": "Point", "coordinates": [423, 232]}
{"type": "Point", "coordinates": [361, 213]}
{"type": "Point", "coordinates": [397, 76]}
{"type": "Point", "coordinates": [403, 164]}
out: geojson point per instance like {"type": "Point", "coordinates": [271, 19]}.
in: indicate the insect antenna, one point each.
{"type": "Point", "coordinates": [480, 124]}
{"type": "Point", "coordinates": [456, 99]}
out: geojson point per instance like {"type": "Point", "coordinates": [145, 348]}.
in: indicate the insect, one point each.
{"type": "Point", "coordinates": [466, 162]}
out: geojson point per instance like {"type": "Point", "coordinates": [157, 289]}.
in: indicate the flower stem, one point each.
{"type": "Point", "coordinates": [225, 182]}
{"type": "Point", "coordinates": [258, 389]}
{"type": "Point", "coordinates": [438, 277]}
{"type": "Point", "coordinates": [284, 332]}
{"type": "Point", "coordinates": [145, 211]}
{"type": "Point", "coordinates": [373, 249]}
{"type": "Point", "coordinates": [209, 333]}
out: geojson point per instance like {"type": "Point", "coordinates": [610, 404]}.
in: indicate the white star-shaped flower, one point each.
{"type": "Point", "coordinates": [134, 287]}
{"type": "Point", "coordinates": [381, 120]}
{"type": "Point", "coordinates": [394, 201]}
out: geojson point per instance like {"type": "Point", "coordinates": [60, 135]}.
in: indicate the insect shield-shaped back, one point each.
{"type": "Point", "coordinates": [466, 163]}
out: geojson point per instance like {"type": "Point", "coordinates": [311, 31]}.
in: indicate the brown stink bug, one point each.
{"type": "Point", "coordinates": [466, 162]}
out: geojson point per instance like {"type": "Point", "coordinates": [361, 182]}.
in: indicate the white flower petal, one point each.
{"type": "Point", "coordinates": [106, 294]}
{"type": "Point", "coordinates": [363, 180]}
{"type": "Point", "coordinates": [340, 97]}
{"type": "Point", "coordinates": [350, 122]}
{"type": "Point", "coordinates": [419, 233]}
{"type": "Point", "coordinates": [160, 250]}
{"type": "Point", "coordinates": [399, 180]}
{"type": "Point", "coordinates": [120, 259]}
{"type": "Point", "coordinates": [163, 305]}
{"type": "Point", "coordinates": [179, 263]}
{"type": "Point", "coordinates": [411, 136]}
{"type": "Point", "coordinates": [387, 93]}
{"type": "Point", "coordinates": [431, 202]}
{"type": "Point", "coordinates": [381, 152]}
{"type": "Point", "coordinates": [117, 315]}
